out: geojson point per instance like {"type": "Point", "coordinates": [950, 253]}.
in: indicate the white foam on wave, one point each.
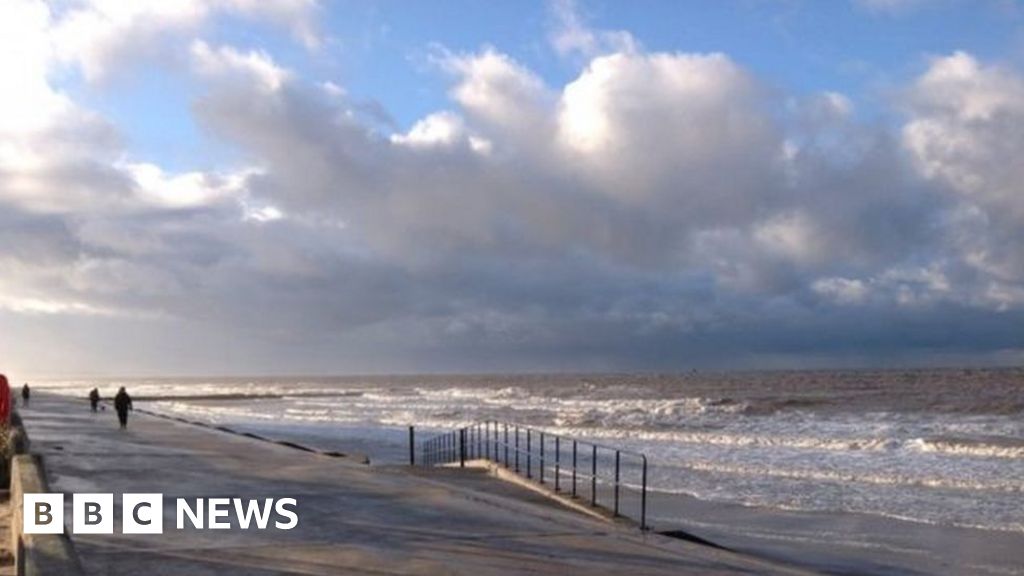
{"type": "Point", "coordinates": [1010, 485]}
{"type": "Point", "coordinates": [997, 448]}
{"type": "Point", "coordinates": [740, 440]}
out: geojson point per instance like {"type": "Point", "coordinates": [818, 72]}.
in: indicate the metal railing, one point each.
{"type": "Point", "coordinates": [569, 466]}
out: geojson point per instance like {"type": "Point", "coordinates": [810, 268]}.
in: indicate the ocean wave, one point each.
{"type": "Point", "coordinates": [826, 475]}
{"type": "Point", "coordinates": [758, 439]}
{"type": "Point", "coordinates": [988, 447]}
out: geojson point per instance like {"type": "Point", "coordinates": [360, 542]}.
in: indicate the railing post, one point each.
{"type": "Point", "coordinates": [616, 483]}
{"type": "Point", "coordinates": [643, 496]}
{"type": "Point", "coordinates": [574, 468]}
{"type": "Point", "coordinates": [558, 461]}
{"type": "Point", "coordinates": [529, 455]}
{"type": "Point", "coordinates": [541, 457]}
{"type": "Point", "coordinates": [487, 438]}
{"type": "Point", "coordinates": [593, 475]}
{"type": "Point", "coordinates": [462, 448]}
{"type": "Point", "coordinates": [517, 449]}
{"type": "Point", "coordinates": [412, 446]}
{"type": "Point", "coordinates": [506, 446]}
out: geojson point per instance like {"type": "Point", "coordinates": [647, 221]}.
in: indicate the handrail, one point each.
{"type": "Point", "coordinates": [490, 440]}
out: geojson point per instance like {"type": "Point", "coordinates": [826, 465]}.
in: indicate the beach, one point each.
{"type": "Point", "coordinates": [903, 472]}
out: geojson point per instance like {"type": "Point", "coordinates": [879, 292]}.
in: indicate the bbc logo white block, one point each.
{"type": "Point", "coordinates": [43, 513]}
{"type": "Point", "coordinates": [142, 513]}
{"type": "Point", "coordinates": [92, 514]}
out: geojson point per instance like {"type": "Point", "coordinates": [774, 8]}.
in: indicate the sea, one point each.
{"type": "Point", "coordinates": [937, 452]}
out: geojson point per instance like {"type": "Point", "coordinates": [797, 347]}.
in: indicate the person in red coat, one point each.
{"type": "Point", "coordinates": [5, 401]}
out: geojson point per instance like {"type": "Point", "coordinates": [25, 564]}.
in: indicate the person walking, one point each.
{"type": "Point", "coordinates": [122, 403]}
{"type": "Point", "coordinates": [94, 398]}
{"type": "Point", "coordinates": [25, 393]}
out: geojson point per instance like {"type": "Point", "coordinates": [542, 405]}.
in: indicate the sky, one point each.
{"type": "Point", "coordinates": [247, 187]}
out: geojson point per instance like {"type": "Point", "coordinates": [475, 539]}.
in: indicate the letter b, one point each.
{"type": "Point", "coordinates": [42, 513]}
{"type": "Point", "coordinates": [93, 514]}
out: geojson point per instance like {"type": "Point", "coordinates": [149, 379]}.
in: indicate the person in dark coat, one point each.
{"type": "Point", "coordinates": [25, 393]}
{"type": "Point", "coordinates": [94, 398]}
{"type": "Point", "coordinates": [122, 403]}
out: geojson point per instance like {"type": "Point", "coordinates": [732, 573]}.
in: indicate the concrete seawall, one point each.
{"type": "Point", "coordinates": [37, 554]}
{"type": "Point", "coordinates": [353, 518]}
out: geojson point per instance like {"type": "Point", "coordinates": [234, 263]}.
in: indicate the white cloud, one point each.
{"type": "Point", "coordinates": [187, 190]}
{"type": "Point", "coordinates": [442, 129]}
{"type": "Point", "coordinates": [498, 91]}
{"type": "Point", "coordinates": [227, 60]}
{"type": "Point", "coordinates": [27, 102]}
{"type": "Point", "coordinates": [102, 35]}
{"type": "Point", "coordinates": [49, 307]}
{"type": "Point", "coordinates": [792, 236]}
{"type": "Point", "coordinates": [264, 214]}
{"type": "Point", "coordinates": [437, 129]}
{"type": "Point", "coordinates": [842, 290]}
{"type": "Point", "coordinates": [966, 130]}
{"type": "Point", "coordinates": [571, 34]}
{"type": "Point", "coordinates": [97, 33]}
{"type": "Point", "coordinates": [299, 16]}
{"type": "Point", "coordinates": [832, 105]}
{"type": "Point", "coordinates": [660, 130]}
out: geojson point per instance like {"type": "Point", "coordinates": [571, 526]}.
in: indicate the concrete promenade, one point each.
{"type": "Point", "coordinates": [353, 519]}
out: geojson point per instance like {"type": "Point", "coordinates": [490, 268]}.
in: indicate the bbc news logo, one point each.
{"type": "Point", "coordinates": [144, 513]}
